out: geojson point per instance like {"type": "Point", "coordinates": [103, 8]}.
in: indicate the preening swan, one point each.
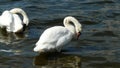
{"type": "Point", "coordinates": [56, 37]}
{"type": "Point", "coordinates": [12, 22]}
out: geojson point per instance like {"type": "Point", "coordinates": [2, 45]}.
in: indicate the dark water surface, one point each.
{"type": "Point", "coordinates": [98, 46]}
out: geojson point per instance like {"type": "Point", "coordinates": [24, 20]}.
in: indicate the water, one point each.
{"type": "Point", "coordinates": [97, 47]}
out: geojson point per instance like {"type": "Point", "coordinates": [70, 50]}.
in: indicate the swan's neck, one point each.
{"type": "Point", "coordinates": [70, 27]}
{"type": "Point", "coordinates": [73, 28]}
{"type": "Point", "coordinates": [25, 17]}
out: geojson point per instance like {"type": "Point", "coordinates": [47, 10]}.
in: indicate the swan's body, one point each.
{"type": "Point", "coordinates": [12, 21]}
{"type": "Point", "coordinates": [56, 37]}
{"type": "Point", "coordinates": [6, 19]}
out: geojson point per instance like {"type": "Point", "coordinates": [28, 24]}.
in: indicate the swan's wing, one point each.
{"type": "Point", "coordinates": [6, 18]}
{"type": "Point", "coordinates": [52, 38]}
{"type": "Point", "coordinates": [53, 34]}
{"type": "Point", "coordinates": [17, 23]}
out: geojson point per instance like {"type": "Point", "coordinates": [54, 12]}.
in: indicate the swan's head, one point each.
{"type": "Point", "coordinates": [78, 30]}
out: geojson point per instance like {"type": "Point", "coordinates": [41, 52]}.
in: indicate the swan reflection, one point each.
{"type": "Point", "coordinates": [8, 38]}
{"type": "Point", "coordinates": [53, 60]}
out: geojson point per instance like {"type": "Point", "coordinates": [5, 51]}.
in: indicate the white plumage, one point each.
{"type": "Point", "coordinates": [12, 22]}
{"type": "Point", "coordinates": [56, 37]}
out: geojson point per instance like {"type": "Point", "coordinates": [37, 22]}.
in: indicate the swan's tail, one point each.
{"type": "Point", "coordinates": [22, 12]}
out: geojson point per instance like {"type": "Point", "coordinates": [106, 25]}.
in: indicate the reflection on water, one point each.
{"type": "Point", "coordinates": [57, 60]}
{"type": "Point", "coordinates": [8, 38]}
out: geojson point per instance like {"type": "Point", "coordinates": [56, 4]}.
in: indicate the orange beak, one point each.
{"type": "Point", "coordinates": [78, 35]}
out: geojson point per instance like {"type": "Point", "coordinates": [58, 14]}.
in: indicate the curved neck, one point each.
{"type": "Point", "coordinates": [20, 11]}
{"type": "Point", "coordinates": [73, 28]}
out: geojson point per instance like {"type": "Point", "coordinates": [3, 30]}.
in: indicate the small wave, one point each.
{"type": "Point", "coordinates": [105, 33]}
{"type": "Point", "coordinates": [2, 50]}
{"type": "Point", "coordinates": [98, 2]}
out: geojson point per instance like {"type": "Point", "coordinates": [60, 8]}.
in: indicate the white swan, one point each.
{"type": "Point", "coordinates": [12, 21]}
{"type": "Point", "coordinates": [56, 37]}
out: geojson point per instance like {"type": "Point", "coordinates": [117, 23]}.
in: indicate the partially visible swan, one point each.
{"type": "Point", "coordinates": [56, 37]}
{"type": "Point", "coordinates": [12, 22]}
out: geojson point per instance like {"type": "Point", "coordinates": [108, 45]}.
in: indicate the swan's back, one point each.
{"type": "Point", "coordinates": [54, 37]}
